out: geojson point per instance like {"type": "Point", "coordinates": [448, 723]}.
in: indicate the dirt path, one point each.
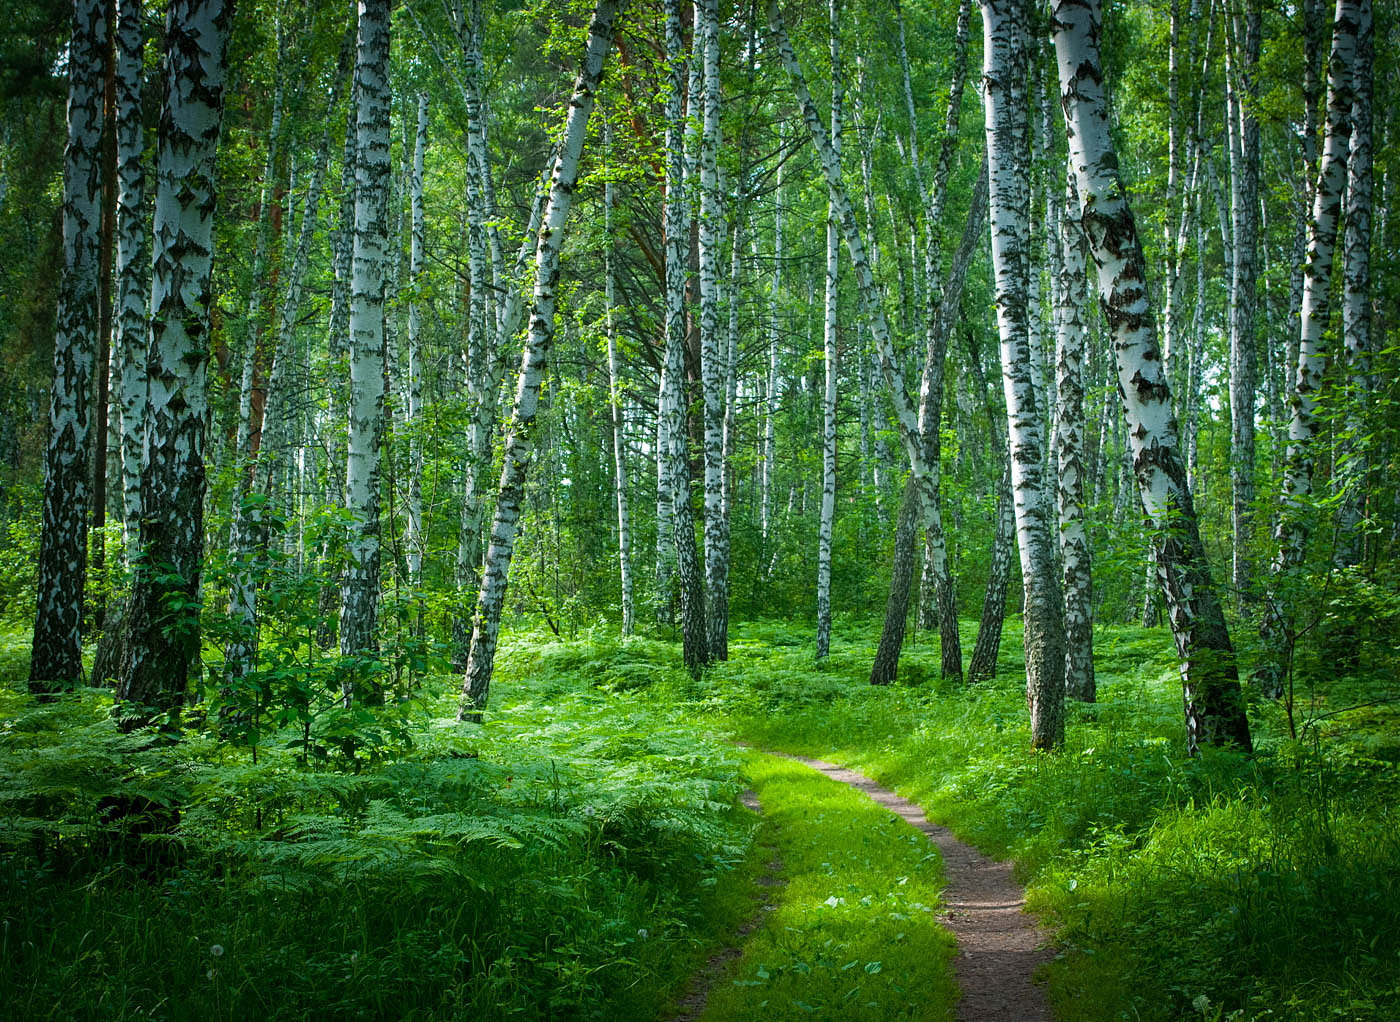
{"type": "Point", "coordinates": [998, 944]}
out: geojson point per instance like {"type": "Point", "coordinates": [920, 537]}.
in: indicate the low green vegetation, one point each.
{"type": "Point", "coordinates": [853, 932]}
{"type": "Point", "coordinates": [581, 853]}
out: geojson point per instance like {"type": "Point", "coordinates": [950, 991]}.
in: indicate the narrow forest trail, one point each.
{"type": "Point", "coordinates": [998, 943]}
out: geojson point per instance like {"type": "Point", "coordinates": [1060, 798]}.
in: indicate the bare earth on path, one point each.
{"type": "Point", "coordinates": [998, 943]}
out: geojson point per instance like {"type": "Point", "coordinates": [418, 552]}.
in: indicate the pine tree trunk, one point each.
{"type": "Point", "coordinates": [711, 358]}
{"type": "Point", "coordinates": [1005, 62]}
{"type": "Point", "coordinates": [369, 265]}
{"type": "Point", "coordinates": [1304, 423]}
{"type": "Point", "coordinates": [163, 619]}
{"type": "Point", "coordinates": [1213, 701]}
{"type": "Point", "coordinates": [1070, 339]}
{"type": "Point", "coordinates": [520, 439]}
{"type": "Point", "coordinates": [57, 660]}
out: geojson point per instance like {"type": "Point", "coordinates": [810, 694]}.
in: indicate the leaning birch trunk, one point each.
{"type": "Point", "coordinates": [833, 267]}
{"type": "Point", "coordinates": [676, 228]}
{"type": "Point", "coordinates": [711, 374]}
{"type": "Point", "coordinates": [1304, 424]}
{"type": "Point", "coordinates": [369, 265]}
{"type": "Point", "coordinates": [624, 532]}
{"type": "Point", "coordinates": [58, 646]}
{"type": "Point", "coordinates": [1070, 338]}
{"type": "Point", "coordinates": [538, 340]}
{"type": "Point", "coordinates": [1004, 63]}
{"type": "Point", "coordinates": [1356, 299]}
{"type": "Point", "coordinates": [1211, 692]}
{"type": "Point", "coordinates": [132, 257]}
{"type": "Point", "coordinates": [163, 618]}
{"type": "Point", "coordinates": [414, 540]}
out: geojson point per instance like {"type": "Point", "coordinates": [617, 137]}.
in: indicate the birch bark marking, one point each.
{"type": "Point", "coordinates": [417, 237]}
{"type": "Point", "coordinates": [1070, 337]}
{"type": "Point", "coordinates": [716, 548]}
{"type": "Point", "coordinates": [1303, 426]}
{"type": "Point", "coordinates": [770, 390]}
{"type": "Point", "coordinates": [163, 618]}
{"type": "Point", "coordinates": [369, 262]}
{"type": "Point", "coordinates": [624, 532]}
{"type": "Point", "coordinates": [132, 258]}
{"type": "Point", "coordinates": [538, 339]}
{"type": "Point", "coordinates": [833, 268]}
{"type": "Point", "coordinates": [676, 228]}
{"type": "Point", "coordinates": [57, 660]}
{"type": "Point", "coordinates": [1210, 683]}
{"type": "Point", "coordinates": [1005, 96]}
{"type": "Point", "coordinates": [1356, 296]}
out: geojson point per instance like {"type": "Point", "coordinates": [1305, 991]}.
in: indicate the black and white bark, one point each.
{"type": "Point", "coordinates": [829, 323]}
{"type": "Point", "coordinates": [163, 621]}
{"type": "Point", "coordinates": [1211, 692]}
{"type": "Point", "coordinates": [1352, 466]}
{"type": "Point", "coordinates": [711, 354]}
{"type": "Point", "coordinates": [1070, 342]}
{"type": "Point", "coordinates": [615, 402]}
{"type": "Point", "coordinates": [1005, 52]}
{"type": "Point", "coordinates": [1304, 421]}
{"type": "Point", "coordinates": [369, 266]}
{"type": "Point", "coordinates": [414, 539]}
{"type": "Point", "coordinates": [131, 265]}
{"type": "Point", "coordinates": [57, 660]}
{"type": "Point", "coordinates": [539, 337]}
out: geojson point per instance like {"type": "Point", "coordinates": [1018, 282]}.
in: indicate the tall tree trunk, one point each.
{"type": "Point", "coordinates": [885, 667]}
{"type": "Point", "coordinates": [132, 258]}
{"type": "Point", "coordinates": [1070, 338]}
{"type": "Point", "coordinates": [163, 620]}
{"type": "Point", "coordinates": [711, 357]}
{"type": "Point", "coordinates": [369, 264]}
{"type": "Point", "coordinates": [771, 403]}
{"type": "Point", "coordinates": [833, 265]}
{"type": "Point", "coordinates": [1353, 464]}
{"type": "Point", "coordinates": [1211, 691]}
{"type": "Point", "coordinates": [538, 340]}
{"type": "Point", "coordinates": [57, 660]}
{"type": "Point", "coordinates": [1242, 65]}
{"type": "Point", "coordinates": [415, 540]}
{"type": "Point", "coordinates": [1005, 63]}
{"type": "Point", "coordinates": [624, 531]}
{"type": "Point", "coordinates": [1304, 424]}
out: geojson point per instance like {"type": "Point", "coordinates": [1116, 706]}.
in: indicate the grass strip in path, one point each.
{"type": "Point", "coordinates": [855, 932]}
{"type": "Point", "coordinates": [998, 944]}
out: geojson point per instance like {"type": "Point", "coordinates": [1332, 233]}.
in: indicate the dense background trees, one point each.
{"type": "Point", "coordinates": [724, 393]}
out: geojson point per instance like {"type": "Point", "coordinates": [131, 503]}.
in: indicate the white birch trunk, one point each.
{"type": "Point", "coordinates": [624, 531]}
{"type": "Point", "coordinates": [132, 262]}
{"type": "Point", "coordinates": [369, 266]}
{"type": "Point", "coordinates": [415, 540]}
{"type": "Point", "coordinates": [163, 643]}
{"type": "Point", "coordinates": [833, 266]}
{"type": "Point", "coordinates": [770, 391]}
{"type": "Point", "coordinates": [1211, 692]}
{"type": "Point", "coordinates": [57, 660]}
{"type": "Point", "coordinates": [539, 338]}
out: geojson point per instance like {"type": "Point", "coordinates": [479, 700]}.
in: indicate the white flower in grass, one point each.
{"type": "Point", "coordinates": [216, 950]}
{"type": "Point", "coordinates": [643, 933]}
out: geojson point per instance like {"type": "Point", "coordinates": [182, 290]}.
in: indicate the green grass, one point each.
{"type": "Point", "coordinates": [853, 933]}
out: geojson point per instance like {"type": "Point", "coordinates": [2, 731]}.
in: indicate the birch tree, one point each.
{"type": "Point", "coordinates": [163, 622]}
{"type": "Point", "coordinates": [520, 437]}
{"type": "Point", "coordinates": [833, 266]}
{"type": "Point", "coordinates": [1304, 424]}
{"type": "Point", "coordinates": [620, 484]}
{"type": "Point", "coordinates": [415, 539]}
{"type": "Point", "coordinates": [711, 359]}
{"type": "Point", "coordinates": [57, 660]}
{"type": "Point", "coordinates": [1005, 46]}
{"type": "Point", "coordinates": [369, 263]}
{"type": "Point", "coordinates": [1210, 681]}
{"type": "Point", "coordinates": [131, 263]}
